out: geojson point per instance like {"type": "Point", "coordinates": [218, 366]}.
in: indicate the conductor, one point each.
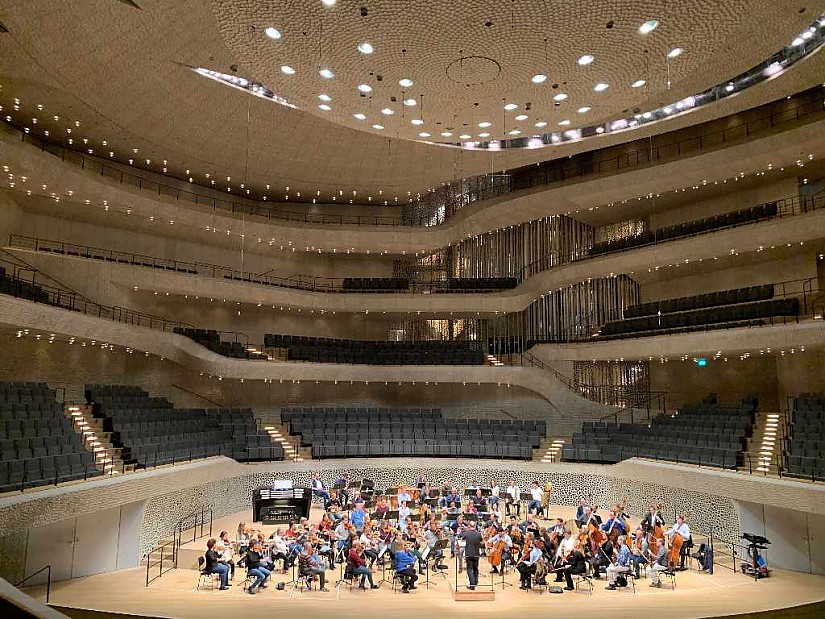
{"type": "Point", "coordinates": [472, 552]}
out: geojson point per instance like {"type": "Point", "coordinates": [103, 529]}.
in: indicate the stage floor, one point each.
{"type": "Point", "coordinates": [174, 595]}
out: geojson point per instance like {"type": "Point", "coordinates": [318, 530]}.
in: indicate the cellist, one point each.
{"type": "Point", "coordinates": [680, 542]}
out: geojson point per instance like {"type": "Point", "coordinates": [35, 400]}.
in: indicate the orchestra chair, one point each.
{"type": "Point", "coordinates": [204, 576]}
{"type": "Point", "coordinates": [347, 577]}
{"type": "Point", "coordinates": [583, 579]}
{"type": "Point", "coordinates": [671, 574]}
{"type": "Point", "coordinates": [303, 582]}
{"type": "Point", "coordinates": [631, 580]}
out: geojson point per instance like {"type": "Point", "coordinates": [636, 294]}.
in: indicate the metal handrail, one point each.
{"type": "Point", "coordinates": [48, 570]}
{"type": "Point", "coordinates": [198, 518]}
{"type": "Point", "coordinates": [148, 557]}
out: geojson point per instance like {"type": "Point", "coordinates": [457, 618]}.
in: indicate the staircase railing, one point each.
{"type": "Point", "coordinates": [48, 570]}
{"type": "Point", "coordinates": [160, 551]}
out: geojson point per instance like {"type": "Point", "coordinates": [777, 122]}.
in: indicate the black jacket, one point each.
{"type": "Point", "coordinates": [211, 559]}
{"type": "Point", "coordinates": [473, 539]}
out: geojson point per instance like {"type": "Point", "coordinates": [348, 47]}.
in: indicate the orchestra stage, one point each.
{"type": "Point", "coordinates": [697, 594]}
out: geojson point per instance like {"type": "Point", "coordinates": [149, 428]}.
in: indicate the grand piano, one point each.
{"type": "Point", "coordinates": [280, 503]}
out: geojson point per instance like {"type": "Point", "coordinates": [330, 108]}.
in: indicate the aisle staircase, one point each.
{"type": "Point", "coordinates": [107, 456]}
{"type": "Point", "coordinates": [549, 450]}
{"type": "Point", "coordinates": [279, 433]}
{"type": "Point", "coordinates": [763, 452]}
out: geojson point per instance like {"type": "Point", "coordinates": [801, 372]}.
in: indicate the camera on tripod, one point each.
{"type": "Point", "coordinates": [756, 540]}
{"type": "Point", "coordinates": [755, 565]}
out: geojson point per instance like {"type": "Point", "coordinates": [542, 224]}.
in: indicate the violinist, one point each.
{"type": "Point", "coordinates": [214, 565]}
{"type": "Point", "coordinates": [621, 565]}
{"type": "Point", "coordinates": [334, 506]}
{"type": "Point", "coordinates": [603, 552]}
{"type": "Point", "coordinates": [431, 536]}
{"type": "Point", "coordinates": [311, 564]}
{"type": "Point", "coordinates": [255, 567]}
{"type": "Point", "coordinates": [278, 548]}
{"type": "Point", "coordinates": [564, 552]}
{"type": "Point", "coordinates": [325, 526]}
{"type": "Point", "coordinates": [225, 546]}
{"type": "Point", "coordinates": [527, 565]}
{"type": "Point", "coordinates": [358, 566]}
{"type": "Point", "coordinates": [342, 533]}
{"type": "Point", "coordinates": [575, 564]}
{"type": "Point", "coordinates": [404, 563]}
{"type": "Point", "coordinates": [531, 525]}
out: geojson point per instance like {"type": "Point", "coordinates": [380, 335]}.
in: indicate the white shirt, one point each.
{"type": "Point", "coordinates": [683, 530]}
{"type": "Point", "coordinates": [566, 547]}
{"type": "Point", "coordinates": [514, 492]}
{"type": "Point", "coordinates": [536, 493]}
{"type": "Point", "coordinates": [278, 544]}
{"type": "Point", "coordinates": [494, 490]}
{"type": "Point", "coordinates": [317, 484]}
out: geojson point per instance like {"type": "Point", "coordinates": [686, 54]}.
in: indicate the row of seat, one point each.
{"type": "Point", "coordinates": [213, 342]}
{"type": "Point", "coordinates": [805, 448]}
{"type": "Point", "coordinates": [735, 218]}
{"type": "Point", "coordinates": [15, 287]}
{"type": "Point", "coordinates": [20, 474]}
{"type": "Point", "coordinates": [478, 284]}
{"type": "Point", "coordinates": [421, 448]}
{"type": "Point", "coordinates": [707, 456]}
{"type": "Point", "coordinates": [711, 299]}
{"type": "Point", "coordinates": [375, 284]}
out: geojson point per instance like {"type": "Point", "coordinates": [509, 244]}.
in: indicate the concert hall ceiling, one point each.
{"type": "Point", "coordinates": [368, 96]}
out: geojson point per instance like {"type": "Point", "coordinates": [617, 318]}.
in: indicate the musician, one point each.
{"type": "Point", "coordinates": [652, 519]}
{"type": "Point", "coordinates": [591, 516]}
{"type": "Point", "coordinates": [358, 567]}
{"type": "Point", "coordinates": [658, 561]}
{"type": "Point", "coordinates": [421, 479]}
{"type": "Point", "coordinates": [558, 528]}
{"type": "Point", "coordinates": [255, 567]}
{"type": "Point", "coordinates": [513, 498]}
{"type": "Point", "coordinates": [318, 488]}
{"type": "Point", "coordinates": [381, 507]}
{"type": "Point", "coordinates": [310, 564]}
{"type": "Point", "coordinates": [424, 493]}
{"type": "Point", "coordinates": [501, 535]}
{"type": "Point", "coordinates": [574, 565]}
{"type": "Point", "coordinates": [472, 553]}
{"type": "Point", "coordinates": [451, 499]}
{"type": "Point", "coordinates": [581, 519]}
{"type": "Point", "coordinates": [372, 542]}
{"type": "Point", "coordinates": [531, 525]}
{"type": "Point", "coordinates": [621, 565]}
{"type": "Point", "coordinates": [226, 545]}
{"type": "Point", "coordinates": [359, 517]}
{"type": "Point", "coordinates": [613, 523]}
{"type": "Point", "coordinates": [405, 568]}
{"type": "Point", "coordinates": [342, 532]}
{"type": "Point", "coordinates": [403, 513]}
{"type": "Point", "coordinates": [527, 565]}
{"type": "Point", "coordinates": [278, 548]}
{"type": "Point", "coordinates": [478, 500]}
{"type": "Point", "coordinates": [536, 494]}
{"type": "Point", "coordinates": [564, 552]}
{"type": "Point", "coordinates": [432, 535]}
{"type": "Point", "coordinates": [603, 555]}
{"type": "Point", "coordinates": [681, 527]}
{"type": "Point", "coordinates": [343, 481]}
{"type": "Point", "coordinates": [638, 550]}
{"type": "Point", "coordinates": [214, 566]}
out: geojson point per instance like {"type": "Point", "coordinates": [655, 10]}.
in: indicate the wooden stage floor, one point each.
{"type": "Point", "coordinates": [174, 595]}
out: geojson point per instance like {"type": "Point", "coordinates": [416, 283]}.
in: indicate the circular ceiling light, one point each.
{"type": "Point", "coordinates": [327, 74]}
{"type": "Point", "coordinates": [424, 134]}
{"type": "Point", "coordinates": [387, 112]}
{"type": "Point", "coordinates": [564, 123]}
{"type": "Point", "coordinates": [675, 52]}
{"type": "Point", "coordinates": [514, 132]}
{"type": "Point", "coordinates": [464, 136]}
{"type": "Point", "coordinates": [378, 126]}
{"type": "Point", "coordinates": [287, 70]}
{"type": "Point", "coordinates": [329, 2]}
{"type": "Point", "coordinates": [585, 60]}
{"type": "Point", "coordinates": [325, 97]}
{"type": "Point", "coordinates": [538, 78]}
{"type": "Point", "coordinates": [360, 116]}
{"type": "Point", "coordinates": [584, 109]}
{"type": "Point", "coordinates": [541, 123]}
{"type": "Point", "coordinates": [410, 102]}
{"type": "Point", "coordinates": [364, 88]}
{"type": "Point", "coordinates": [638, 83]}
{"type": "Point", "coordinates": [405, 82]}
{"type": "Point", "coordinates": [273, 33]}
{"type": "Point", "coordinates": [600, 87]}
{"type": "Point", "coordinates": [417, 121]}
{"type": "Point", "coordinates": [484, 124]}
{"type": "Point", "coordinates": [446, 134]}
{"type": "Point", "coordinates": [510, 106]}
{"type": "Point", "coordinates": [366, 48]}
{"type": "Point", "coordinates": [325, 107]}
{"type": "Point", "coordinates": [521, 117]}
{"type": "Point", "coordinates": [560, 97]}
{"type": "Point", "coordinates": [484, 135]}
{"type": "Point", "coordinates": [648, 27]}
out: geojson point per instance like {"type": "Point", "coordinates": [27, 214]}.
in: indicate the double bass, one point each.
{"type": "Point", "coordinates": [676, 542]}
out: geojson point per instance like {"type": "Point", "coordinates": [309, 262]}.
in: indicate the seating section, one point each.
{"type": "Point", "coordinates": [329, 350]}
{"type": "Point", "coordinates": [38, 444]}
{"type": "Point", "coordinates": [736, 218]}
{"type": "Point", "coordinates": [706, 434]}
{"type": "Point", "coordinates": [741, 307]}
{"type": "Point", "coordinates": [152, 432]}
{"type": "Point", "coordinates": [376, 284]}
{"type": "Point", "coordinates": [22, 289]}
{"type": "Point", "coordinates": [212, 340]}
{"type": "Point", "coordinates": [342, 432]}
{"type": "Point", "coordinates": [806, 445]}
{"type": "Point", "coordinates": [479, 284]}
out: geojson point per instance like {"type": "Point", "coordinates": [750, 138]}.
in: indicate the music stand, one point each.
{"type": "Point", "coordinates": [391, 515]}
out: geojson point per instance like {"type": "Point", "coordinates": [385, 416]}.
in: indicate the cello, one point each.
{"type": "Point", "coordinates": [675, 549]}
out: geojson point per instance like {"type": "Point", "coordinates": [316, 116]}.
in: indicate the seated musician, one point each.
{"type": "Point", "coordinates": [325, 526]}
{"type": "Point", "coordinates": [371, 541]}
{"type": "Point", "coordinates": [613, 523]}
{"type": "Point", "coordinates": [318, 488]}
{"type": "Point", "coordinates": [531, 525]}
{"type": "Point", "coordinates": [342, 532]}
{"type": "Point", "coordinates": [386, 537]}
{"type": "Point", "coordinates": [478, 500]}
{"type": "Point", "coordinates": [501, 535]}
{"type": "Point", "coordinates": [452, 499]}
{"type": "Point", "coordinates": [495, 493]}
{"type": "Point", "coordinates": [591, 517]}
{"type": "Point", "coordinates": [527, 566]}
{"type": "Point", "coordinates": [278, 548]}
{"type": "Point", "coordinates": [513, 498]}
{"type": "Point", "coordinates": [603, 556]}
{"type": "Point", "coordinates": [564, 552]}
{"type": "Point", "coordinates": [575, 564]}
{"type": "Point", "coordinates": [358, 567]}
{"type": "Point", "coordinates": [403, 512]}
{"type": "Point", "coordinates": [214, 565]}
{"type": "Point", "coordinates": [424, 493]}
{"type": "Point", "coordinates": [404, 495]}
{"type": "Point", "coordinates": [558, 527]}
{"type": "Point", "coordinates": [536, 494]}
{"type": "Point", "coordinates": [681, 527]}
{"type": "Point", "coordinates": [226, 552]}
{"type": "Point", "coordinates": [381, 506]}
{"type": "Point", "coordinates": [357, 498]}
{"type": "Point", "coordinates": [404, 567]}
{"type": "Point", "coordinates": [652, 519]}
{"type": "Point", "coordinates": [421, 479]}
{"type": "Point", "coordinates": [621, 565]}
{"type": "Point", "coordinates": [255, 567]}
{"type": "Point", "coordinates": [266, 562]}
{"type": "Point", "coordinates": [657, 552]}
{"type": "Point", "coordinates": [432, 535]}
{"type": "Point", "coordinates": [471, 508]}
{"type": "Point", "coordinates": [294, 537]}
{"type": "Point", "coordinates": [359, 517]}
{"type": "Point", "coordinates": [638, 550]}
{"type": "Point", "coordinates": [343, 493]}
{"type": "Point", "coordinates": [580, 517]}
{"type": "Point", "coordinates": [310, 564]}
{"type": "Point", "coordinates": [324, 548]}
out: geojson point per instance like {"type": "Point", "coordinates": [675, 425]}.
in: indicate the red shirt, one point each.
{"type": "Point", "coordinates": [354, 559]}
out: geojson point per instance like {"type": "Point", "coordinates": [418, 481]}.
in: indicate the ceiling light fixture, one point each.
{"type": "Point", "coordinates": [446, 134]}
{"type": "Point", "coordinates": [514, 132]}
{"type": "Point", "coordinates": [273, 33]}
{"type": "Point", "coordinates": [387, 112]}
{"type": "Point", "coordinates": [584, 109]}
{"type": "Point", "coordinates": [378, 126]}
{"type": "Point", "coordinates": [410, 102]}
{"type": "Point", "coordinates": [405, 82]}
{"type": "Point", "coordinates": [521, 117]}
{"type": "Point", "coordinates": [464, 136]}
{"type": "Point", "coordinates": [560, 97]}
{"type": "Point", "coordinates": [287, 70]}
{"type": "Point", "coordinates": [564, 123]}
{"type": "Point", "coordinates": [360, 116]}
{"type": "Point", "coordinates": [675, 52]}
{"type": "Point", "coordinates": [484, 124]}
{"type": "Point", "coordinates": [541, 123]}
{"type": "Point", "coordinates": [325, 107]}
{"type": "Point", "coordinates": [539, 78]}
{"type": "Point", "coordinates": [417, 121]}
{"type": "Point", "coordinates": [365, 88]}
{"type": "Point", "coordinates": [638, 83]}
{"type": "Point", "coordinates": [484, 135]}
{"type": "Point", "coordinates": [585, 60]}
{"type": "Point", "coordinates": [424, 134]}
{"type": "Point", "coordinates": [327, 74]}
{"type": "Point", "coordinates": [366, 48]}
{"type": "Point", "coordinates": [600, 87]}
{"type": "Point", "coordinates": [329, 2]}
{"type": "Point", "coordinates": [510, 106]}
{"type": "Point", "coordinates": [325, 97]}
{"type": "Point", "coordinates": [648, 27]}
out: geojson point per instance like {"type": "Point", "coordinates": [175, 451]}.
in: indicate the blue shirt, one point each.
{"type": "Point", "coordinates": [616, 523]}
{"type": "Point", "coordinates": [535, 555]}
{"type": "Point", "coordinates": [357, 518]}
{"type": "Point", "coordinates": [403, 560]}
{"type": "Point", "coordinates": [623, 559]}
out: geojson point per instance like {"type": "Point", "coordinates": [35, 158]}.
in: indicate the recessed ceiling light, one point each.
{"type": "Point", "coordinates": [410, 102]}
{"type": "Point", "coordinates": [541, 123]}
{"type": "Point", "coordinates": [729, 87]}
{"type": "Point", "coordinates": [360, 116]}
{"type": "Point", "coordinates": [514, 132]}
{"type": "Point", "coordinates": [521, 117]}
{"type": "Point", "coordinates": [387, 112]}
{"type": "Point", "coordinates": [329, 2]}
{"type": "Point", "coordinates": [564, 123]}
{"type": "Point", "coordinates": [364, 88]}
{"type": "Point", "coordinates": [464, 136]}
{"type": "Point", "coordinates": [484, 135]}
{"type": "Point", "coordinates": [378, 126]}
{"type": "Point", "coordinates": [286, 69]}
{"type": "Point", "coordinates": [560, 97]}
{"type": "Point", "coordinates": [638, 83]}
{"type": "Point", "coordinates": [510, 106]}
{"type": "Point", "coordinates": [676, 51]}
{"type": "Point", "coordinates": [539, 78]}
{"type": "Point", "coordinates": [484, 124]}
{"type": "Point", "coordinates": [585, 60]}
{"type": "Point", "coordinates": [648, 27]}
{"type": "Point", "coordinates": [600, 87]}
{"type": "Point", "coordinates": [366, 48]}
{"type": "Point", "coordinates": [424, 134]}
{"type": "Point", "coordinates": [446, 134]}
{"type": "Point", "coordinates": [405, 82]}
{"type": "Point", "coordinates": [584, 109]}
{"type": "Point", "coordinates": [417, 121]}
{"type": "Point", "coordinates": [273, 33]}
{"type": "Point", "coordinates": [325, 107]}
{"type": "Point", "coordinates": [325, 97]}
